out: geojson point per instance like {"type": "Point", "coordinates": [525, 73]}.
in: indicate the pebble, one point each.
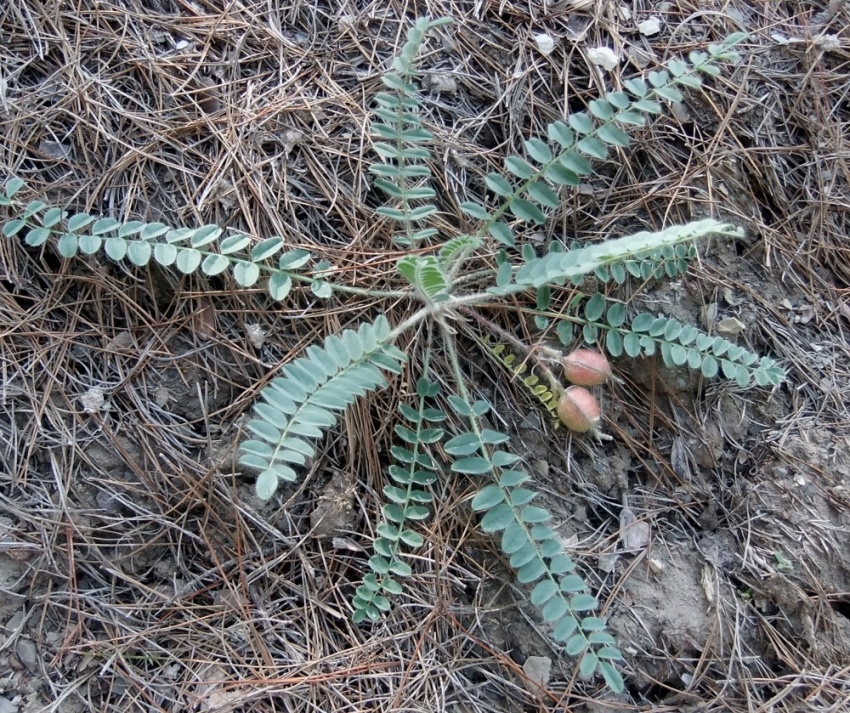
{"type": "Point", "coordinates": [538, 669]}
{"type": "Point", "coordinates": [27, 654]}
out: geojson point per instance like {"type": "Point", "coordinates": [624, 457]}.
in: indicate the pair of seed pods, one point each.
{"type": "Point", "coordinates": [578, 409]}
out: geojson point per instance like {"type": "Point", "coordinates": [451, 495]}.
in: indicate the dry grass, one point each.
{"type": "Point", "coordinates": [150, 579]}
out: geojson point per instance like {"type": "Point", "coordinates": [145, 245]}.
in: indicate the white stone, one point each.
{"type": "Point", "coordinates": [92, 400]}
{"type": "Point", "coordinates": [538, 669]}
{"type": "Point", "coordinates": [603, 57]}
{"type": "Point", "coordinates": [649, 27]}
{"type": "Point", "coordinates": [545, 43]}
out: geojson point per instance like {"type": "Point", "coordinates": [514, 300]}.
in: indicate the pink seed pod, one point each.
{"type": "Point", "coordinates": [586, 368]}
{"type": "Point", "coordinates": [579, 410]}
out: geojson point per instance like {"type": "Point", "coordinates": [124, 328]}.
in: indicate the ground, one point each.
{"type": "Point", "coordinates": [138, 571]}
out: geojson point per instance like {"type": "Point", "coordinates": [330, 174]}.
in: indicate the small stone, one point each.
{"type": "Point", "coordinates": [603, 57]}
{"type": "Point", "coordinates": [27, 654]}
{"type": "Point", "coordinates": [346, 22]}
{"type": "Point", "coordinates": [649, 27]}
{"type": "Point", "coordinates": [635, 534]}
{"type": "Point", "coordinates": [545, 43]}
{"type": "Point", "coordinates": [540, 468]}
{"type": "Point", "coordinates": [54, 150]}
{"type": "Point", "coordinates": [607, 563]}
{"type": "Point", "coordinates": [256, 335]}
{"type": "Point", "coordinates": [122, 340]}
{"type": "Point", "coordinates": [730, 327]}
{"type": "Point", "coordinates": [829, 43]}
{"type": "Point", "coordinates": [92, 400]}
{"type": "Point", "coordinates": [442, 83]}
{"type": "Point", "coordinates": [538, 669]}
{"type": "Point", "coordinates": [291, 139]}
{"type": "Point", "coordinates": [161, 396]}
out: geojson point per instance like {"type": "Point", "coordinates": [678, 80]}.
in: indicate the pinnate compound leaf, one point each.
{"type": "Point", "coordinates": [344, 367]}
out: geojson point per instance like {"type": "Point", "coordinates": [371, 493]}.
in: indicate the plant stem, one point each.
{"type": "Point", "coordinates": [528, 352]}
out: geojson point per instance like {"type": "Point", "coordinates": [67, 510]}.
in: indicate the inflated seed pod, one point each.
{"type": "Point", "coordinates": [579, 410]}
{"type": "Point", "coordinates": [586, 367]}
